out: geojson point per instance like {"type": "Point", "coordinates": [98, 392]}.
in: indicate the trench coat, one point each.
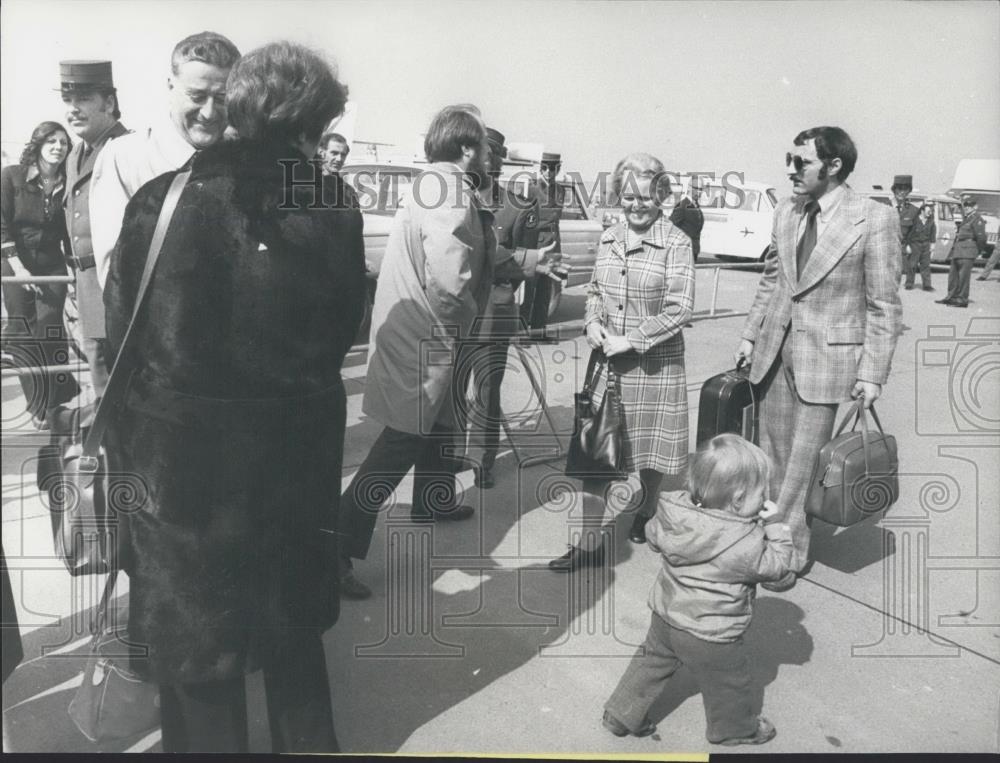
{"type": "Point", "coordinates": [435, 280]}
{"type": "Point", "coordinates": [233, 423]}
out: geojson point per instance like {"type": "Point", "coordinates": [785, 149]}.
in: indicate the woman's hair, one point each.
{"type": "Point", "coordinates": [282, 91]}
{"type": "Point", "coordinates": [640, 165]}
{"type": "Point", "coordinates": [452, 128]}
{"type": "Point", "coordinates": [38, 137]}
{"type": "Point", "coordinates": [723, 467]}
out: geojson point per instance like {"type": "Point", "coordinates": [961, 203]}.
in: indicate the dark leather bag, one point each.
{"type": "Point", "coordinates": [87, 530]}
{"type": "Point", "coordinates": [727, 403]}
{"type": "Point", "coordinates": [113, 702]}
{"type": "Point", "coordinates": [856, 473]}
{"type": "Point", "coordinates": [596, 448]}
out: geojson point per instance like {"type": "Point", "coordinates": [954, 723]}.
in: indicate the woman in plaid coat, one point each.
{"type": "Point", "coordinates": [640, 297]}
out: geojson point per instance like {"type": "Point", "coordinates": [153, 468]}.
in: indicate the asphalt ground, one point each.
{"type": "Point", "coordinates": [891, 643]}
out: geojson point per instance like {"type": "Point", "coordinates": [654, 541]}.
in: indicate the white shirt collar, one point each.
{"type": "Point", "coordinates": [829, 202]}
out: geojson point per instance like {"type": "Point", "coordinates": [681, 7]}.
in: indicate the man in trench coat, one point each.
{"type": "Point", "coordinates": [434, 281]}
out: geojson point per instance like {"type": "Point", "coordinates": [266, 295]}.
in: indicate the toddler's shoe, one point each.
{"type": "Point", "coordinates": [619, 729]}
{"type": "Point", "coordinates": [765, 733]}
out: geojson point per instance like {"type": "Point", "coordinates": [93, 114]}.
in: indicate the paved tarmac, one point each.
{"type": "Point", "coordinates": [890, 644]}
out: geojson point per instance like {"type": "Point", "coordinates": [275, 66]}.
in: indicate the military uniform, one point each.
{"type": "Point", "coordinates": [922, 236]}
{"type": "Point", "coordinates": [538, 291]}
{"type": "Point", "coordinates": [87, 76]}
{"type": "Point", "coordinates": [970, 240]}
{"type": "Point", "coordinates": [518, 226]}
{"type": "Point", "coordinates": [908, 214]}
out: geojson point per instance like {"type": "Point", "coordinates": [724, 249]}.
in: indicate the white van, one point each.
{"type": "Point", "coordinates": [980, 178]}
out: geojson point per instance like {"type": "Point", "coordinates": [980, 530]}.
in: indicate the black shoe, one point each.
{"type": "Point", "coordinates": [981, 278]}
{"type": "Point", "coordinates": [957, 304]}
{"type": "Point", "coordinates": [484, 478]}
{"type": "Point", "coordinates": [928, 288]}
{"type": "Point", "coordinates": [350, 586]}
{"type": "Point", "coordinates": [638, 532]}
{"type": "Point", "coordinates": [619, 729]}
{"type": "Point", "coordinates": [454, 514]}
{"type": "Point", "coordinates": [945, 301]}
{"type": "Point", "coordinates": [576, 558]}
{"type": "Point", "coordinates": [909, 287]}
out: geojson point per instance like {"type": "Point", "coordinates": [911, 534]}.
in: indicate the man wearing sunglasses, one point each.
{"type": "Point", "coordinates": [970, 240]}
{"type": "Point", "coordinates": [824, 323]}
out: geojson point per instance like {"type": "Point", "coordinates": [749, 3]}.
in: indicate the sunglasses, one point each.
{"type": "Point", "coordinates": [795, 161]}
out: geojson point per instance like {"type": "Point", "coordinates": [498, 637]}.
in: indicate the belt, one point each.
{"type": "Point", "coordinates": [82, 263]}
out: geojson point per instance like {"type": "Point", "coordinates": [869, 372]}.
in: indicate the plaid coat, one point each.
{"type": "Point", "coordinates": [644, 290]}
{"type": "Point", "coordinates": [844, 312]}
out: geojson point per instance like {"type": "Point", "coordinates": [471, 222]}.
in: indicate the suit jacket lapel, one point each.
{"type": "Point", "coordinates": [840, 234]}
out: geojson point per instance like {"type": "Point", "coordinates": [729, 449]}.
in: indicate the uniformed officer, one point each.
{"type": "Point", "coordinates": [970, 240]}
{"type": "Point", "coordinates": [901, 187]}
{"type": "Point", "coordinates": [91, 103]}
{"type": "Point", "coordinates": [520, 255]}
{"type": "Point", "coordinates": [538, 291]}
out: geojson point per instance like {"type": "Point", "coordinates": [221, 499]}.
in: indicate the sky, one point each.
{"type": "Point", "coordinates": [704, 86]}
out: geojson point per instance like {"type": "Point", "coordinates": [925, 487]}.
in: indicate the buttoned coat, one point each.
{"type": "Point", "coordinates": [434, 281]}
{"type": "Point", "coordinates": [843, 315]}
{"type": "Point", "coordinates": [234, 418]}
{"type": "Point", "coordinates": [970, 238]}
{"type": "Point", "coordinates": [89, 301]}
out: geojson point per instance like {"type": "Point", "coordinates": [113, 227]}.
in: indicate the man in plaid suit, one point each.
{"type": "Point", "coordinates": [824, 322]}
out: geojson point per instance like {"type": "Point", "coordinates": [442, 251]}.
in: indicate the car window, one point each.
{"type": "Point", "coordinates": [946, 211]}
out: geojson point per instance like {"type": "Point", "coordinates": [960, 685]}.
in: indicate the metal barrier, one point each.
{"type": "Point", "coordinates": [73, 367]}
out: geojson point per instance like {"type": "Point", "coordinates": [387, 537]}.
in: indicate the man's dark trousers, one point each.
{"type": "Point", "coordinates": [391, 457]}
{"type": "Point", "coordinates": [958, 280]}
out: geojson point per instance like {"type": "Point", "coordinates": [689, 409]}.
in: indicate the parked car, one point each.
{"type": "Point", "coordinates": [738, 219]}
{"type": "Point", "coordinates": [381, 186]}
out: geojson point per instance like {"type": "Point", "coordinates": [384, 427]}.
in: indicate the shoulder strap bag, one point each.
{"type": "Point", "coordinates": [87, 531]}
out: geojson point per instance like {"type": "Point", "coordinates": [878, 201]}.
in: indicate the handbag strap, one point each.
{"type": "Point", "coordinates": [101, 617]}
{"type": "Point", "coordinates": [116, 379]}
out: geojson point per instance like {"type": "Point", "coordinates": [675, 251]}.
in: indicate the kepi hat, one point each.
{"type": "Point", "coordinates": [902, 181]}
{"type": "Point", "coordinates": [496, 138]}
{"type": "Point", "coordinates": [551, 158]}
{"type": "Point", "coordinates": [84, 76]}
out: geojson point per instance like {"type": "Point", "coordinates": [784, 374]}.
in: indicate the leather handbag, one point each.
{"type": "Point", "coordinates": [86, 528]}
{"type": "Point", "coordinates": [856, 474]}
{"type": "Point", "coordinates": [597, 446]}
{"type": "Point", "coordinates": [113, 702]}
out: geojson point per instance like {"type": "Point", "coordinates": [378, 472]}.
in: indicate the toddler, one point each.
{"type": "Point", "coordinates": [717, 541]}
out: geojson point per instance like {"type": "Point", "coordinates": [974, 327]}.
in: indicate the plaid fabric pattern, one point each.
{"type": "Point", "coordinates": [643, 288]}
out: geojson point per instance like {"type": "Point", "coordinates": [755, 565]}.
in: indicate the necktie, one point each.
{"type": "Point", "coordinates": [808, 240]}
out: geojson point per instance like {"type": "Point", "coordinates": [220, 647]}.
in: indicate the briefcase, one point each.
{"type": "Point", "coordinates": [856, 474]}
{"type": "Point", "coordinates": [728, 404]}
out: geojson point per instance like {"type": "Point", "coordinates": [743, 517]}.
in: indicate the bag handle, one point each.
{"type": "Point", "coordinates": [101, 617]}
{"type": "Point", "coordinates": [858, 411]}
{"type": "Point", "coordinates": [116, 379]}
{"type": "Point", "coordinates": [596, 356]}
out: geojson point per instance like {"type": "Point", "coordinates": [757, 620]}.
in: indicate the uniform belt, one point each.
{"type": "Point", "coordinates": [82, 263]}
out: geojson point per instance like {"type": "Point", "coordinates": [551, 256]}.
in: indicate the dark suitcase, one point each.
{"type": "Point", "coordinates": [727, 404]}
